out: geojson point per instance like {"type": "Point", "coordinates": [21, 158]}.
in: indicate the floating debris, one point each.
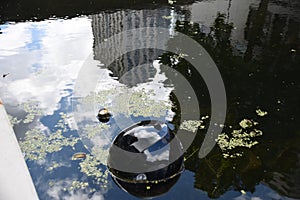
{"type": "Point", "coordinates": [103, 115]}
{"type": "Point", "coordinates": [204, 117]}
{"type": "Point", "coordinates": [243, 192]}
{"type": "Point", "coordinates": [79, 156]}
{"type": "Point", "coordinates": [293, 50]}
{"type": "Point", "coordinates": [261, 113]}
{"type": "Point", "coordinates": [5, 75]}
{"type": "Point", "coordinates": [191, 125]}
{"type": "Point", "coordinates": [167, 17]}
{"type": "Point", "coordinates": [171, 2]}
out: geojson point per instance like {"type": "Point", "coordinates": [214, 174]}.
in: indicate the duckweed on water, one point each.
{"type": "Point", "coordinates": [94, 130]}
{"type": "Point", "coordinates": [133, 103]}
{"type": "Point", "coordinates": [246, 123]}
{"type": "Point", "coordinates": [91, 168]}
{"type": "Point", "coordinates": [78, 185]}
{"type": "Point", "coordinates": [238, 138]}
{"type": "Point", "coordinates": [32, 109]}
{"type": "Point", "coordinates": [36, 144]}
{"type": "Point", "coordinates": [143, 104]}
{"type": "Point", "coordinates": [14, 120]}
{"type": "Point", "coordinates": [53, 166]}
{"type": "Point", "coordinates": [191, 125]}
{"type": "Point", "coordinates": [62, 122]}
{"type": "Point", "coordinates": [100, 154]}
{"type": "Point", "coordinates": [261, 113]}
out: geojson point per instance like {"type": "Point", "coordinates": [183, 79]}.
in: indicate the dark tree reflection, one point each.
{"type": "Point", "coordinates": [265, 76]}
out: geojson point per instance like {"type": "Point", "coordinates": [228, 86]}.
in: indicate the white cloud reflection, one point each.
{"type": "Point", "coordinates": [57, 192]}
{"type": "Point", "coordinates": [43, 59]}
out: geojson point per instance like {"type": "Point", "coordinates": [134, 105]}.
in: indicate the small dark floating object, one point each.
{"type": "Point", "coordinates": [146, 159]}
{"type": "Point", "coordinates": [5, 75]}
{"type": "Point", "coordinates": [103, 115]}
{"type": "Point", "coordinates": [79, 156]}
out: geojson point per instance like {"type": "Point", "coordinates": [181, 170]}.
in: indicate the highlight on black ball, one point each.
{"type": "Point", "coordinates": [103, 115]}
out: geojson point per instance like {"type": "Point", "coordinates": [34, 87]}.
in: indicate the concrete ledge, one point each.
{"type": "Point", "coordinates": [15, 179]}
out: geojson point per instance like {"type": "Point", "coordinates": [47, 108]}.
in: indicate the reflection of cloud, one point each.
{"type": "Point", "coordinates": [13, 38]}
{"type": "Point", "coordinates": [81, 196]}
{"type": "Point", "coordinates": [59, 55]}
{"type": "Point", "coordinates": [159, 155]}
{"type": "Point", "coordinates": [57, 192]}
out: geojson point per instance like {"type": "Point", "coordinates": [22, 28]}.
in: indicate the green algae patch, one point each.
{"type": "Point", "coordinates": [14, 120]}
{"type": "Point", "coordinates": [93, 130]}
{"type": "Point", "coordinates": [261, 113]}
{"type": "Point", "coordinates": [246, 123]}
{"type": "Point", "coordinates": [130, 103]}
{"type": "Point", "coordinates": [191, 125]}
{"type": "Point", "coordinates": [62, 122]}
{"type": "Point", "coordinates": [91, 168]}
{"type": "Point", "coordinates": [36, 144]}
{"type": "Point", "coordinates": [53, 166]}
{"type": "Point", "coordinates": [32, 110]}
{"type": "Point", "coordinates": [239, 138]}
{"type": "Point", "coordinates": [75, 185]}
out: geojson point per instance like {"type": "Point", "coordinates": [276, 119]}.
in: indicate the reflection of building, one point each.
{"type": "Point", "coordinates": [106, 25]}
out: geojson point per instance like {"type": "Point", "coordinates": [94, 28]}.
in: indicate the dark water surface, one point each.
{"type": "Point", "coordinates": [46, 46]}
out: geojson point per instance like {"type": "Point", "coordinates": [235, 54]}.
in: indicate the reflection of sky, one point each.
{"type": "Point", "coordinates": [43, 59]}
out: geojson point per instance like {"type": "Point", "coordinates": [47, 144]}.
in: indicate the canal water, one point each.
{"type": "Point", "coordinates": [62, 61]}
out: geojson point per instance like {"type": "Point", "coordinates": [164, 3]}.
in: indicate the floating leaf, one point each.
{"type": "Point", "coordinates": [79, 156]}
{"type": "Point", "coordinates": [261, 113]}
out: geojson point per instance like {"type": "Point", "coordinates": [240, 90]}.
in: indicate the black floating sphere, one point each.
{"type": "Point", "coordinates": [103, 115]}
{"type": "Point", "coordinates": [146, 159]}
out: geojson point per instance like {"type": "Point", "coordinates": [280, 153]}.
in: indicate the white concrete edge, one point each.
{"type": "Point", "coordinates": [15, 179]}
